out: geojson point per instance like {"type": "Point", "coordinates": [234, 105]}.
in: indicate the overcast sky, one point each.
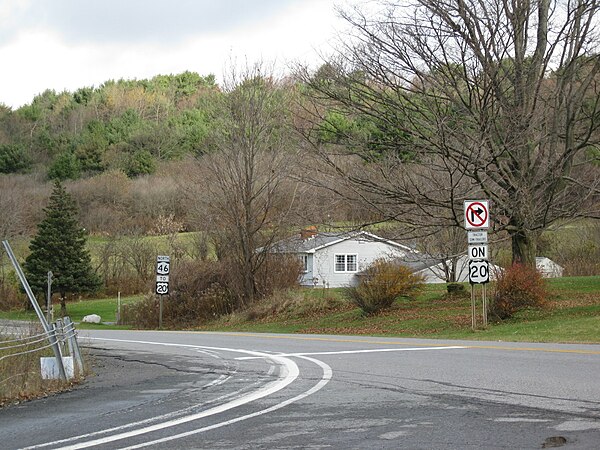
{"type": "Point", "coordinates": [68, 44]}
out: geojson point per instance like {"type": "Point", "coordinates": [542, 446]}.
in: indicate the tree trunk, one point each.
{"type": "Point", "coordinates": [524, 247]}
{"type": "Point", "coordinates": [249, 286]}
{"type": "Point", "coordinates": [63, 304]}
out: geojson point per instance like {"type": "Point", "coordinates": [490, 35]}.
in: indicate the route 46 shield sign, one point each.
{"type": "Point", "coordinates": [163, 268]}
{"type": "Point", "coordinates": [479, 272]}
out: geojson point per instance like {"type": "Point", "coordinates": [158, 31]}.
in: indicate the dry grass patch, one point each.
{"type": "Point", "coordinates": [20, 374]}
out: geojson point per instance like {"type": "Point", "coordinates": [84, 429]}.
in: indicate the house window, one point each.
{"type": "Point", "coordinates": [346, 263]}
{"type": "Point", "coordinates": [304, 262]}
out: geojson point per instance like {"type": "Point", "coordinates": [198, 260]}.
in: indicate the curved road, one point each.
{"type": "Point", "coordinates": [240, 390]}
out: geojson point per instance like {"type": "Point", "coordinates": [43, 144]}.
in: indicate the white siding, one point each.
{"type": "Point", "coordinates": [323, 268]}
{"type": "Point", "coordinates": [307, 278]}
{"type": "Point", "coordinates": [548, 268]}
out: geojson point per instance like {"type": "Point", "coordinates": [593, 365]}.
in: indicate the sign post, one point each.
{"type": "Point", "coordinates": [163, 268]}
{"type": "Point", "coordinates": [477, 222]}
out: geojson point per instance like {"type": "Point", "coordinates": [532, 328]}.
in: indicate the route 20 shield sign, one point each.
{"type": "Point", "coordinates": [479, 272]}
{"type": "Point", "coordinates": [163, 268]}
{"type": "Point", "coordinates": [477, 214]}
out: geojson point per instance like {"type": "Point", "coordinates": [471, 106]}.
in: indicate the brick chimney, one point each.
{"type": "Point", "coordinates": [308, 232]}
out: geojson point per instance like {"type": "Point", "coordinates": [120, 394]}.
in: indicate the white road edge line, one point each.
{"type": "Point", "coordinates": [289, 373]}
{"type": "Point", "coordinates": [350, 352]}
{"type": "Point", "coordinates": [222, 379]}
{"type": "Point", "coordinates": [327, 375]}
{"type": "Point", "coordinates": [166, 416]}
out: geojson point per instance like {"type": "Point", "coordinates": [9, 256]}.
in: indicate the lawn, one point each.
{"type": "Point", "coordinates": [106, 308]}
{"type": "Point", "coordinates": [572, 314]}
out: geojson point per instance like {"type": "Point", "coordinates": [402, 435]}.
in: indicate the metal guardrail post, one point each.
{"type": "Point", "coordinates": [49, 331]}
{"type": "Point", "coordinates": [73, 344]}
{"type": "Point", "coordinates": [60, 335]}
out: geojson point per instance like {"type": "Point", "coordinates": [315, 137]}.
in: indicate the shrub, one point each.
{"type": "Point", "coordinates": [292, 304]}
{"type": "Point", "coordinates": [204, 290]}
{"type": "Point", "coordinates": [382, 283]}
{"type": "Point", "coordinates": [10, 297]}
{"type": "Point", "coordinates": [455, 288]}
{"type": "Point", "coordinates": [140, 163]}
{"type": "Point", "coordinates": [517, 288]}
{"type": "Point", "coordinates": [278, 273]}
{"type": "Point", "coordinates": [65, 166]}
{"type": "Point", "coordinates": [13, 158]}
{"type": "Point", "coordinates": [199, 293]}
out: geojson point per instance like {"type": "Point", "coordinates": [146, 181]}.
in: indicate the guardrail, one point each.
{"type": "Point", "coordinates": [61, 334]}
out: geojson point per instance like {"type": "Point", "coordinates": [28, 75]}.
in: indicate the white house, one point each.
{"type": "Point", "coordinates": [334, 259]}
{"type": "Point", "coordinates": [548, 268]}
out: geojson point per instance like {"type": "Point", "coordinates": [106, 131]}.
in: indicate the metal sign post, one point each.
{"type": "Point", "coordinates": [477, 218]}
{"type": "Point", "coordinates": [473, 311]}
{"type": "Point", "coordinates": [163, 268]}
{"type": "Point", "coordinates": [485, 305]}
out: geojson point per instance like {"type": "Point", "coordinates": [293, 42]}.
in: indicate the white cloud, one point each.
{"type": "Point", "coordinates": [40, 55]}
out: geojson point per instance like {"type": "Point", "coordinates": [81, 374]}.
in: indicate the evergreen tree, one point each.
{"type": "Point", "coordinates": [59, 246]}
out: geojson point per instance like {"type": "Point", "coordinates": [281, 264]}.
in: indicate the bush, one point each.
{"type": "Point", "coordinates": [65, 166]}
{"type": "Point", "coordinates": [293, 305]}
{"type": "Point", "coordinates": [10, 298]}
{"type": "Point", "coordinates": [382, 283]}
{"type": "Point", "coordinates": [198, 293]}
{"type": "Point", "coordinates": [517, 288]}
{"type": "Point", "coordinates": [278, 273]}
{"type": "Point", "coordinates": [205, 290]}
{"type": "Point", "coordinates": [13, 159]}
{"type": "Point", "coordinates": [455, 288]}
{"type": "Point", "coordinates": [140, 163]}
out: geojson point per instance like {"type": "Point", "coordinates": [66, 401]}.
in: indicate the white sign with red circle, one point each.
{"type": "Point", "coordinates": [477, 214]}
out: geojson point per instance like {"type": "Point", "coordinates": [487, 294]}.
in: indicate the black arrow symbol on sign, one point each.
{"type": "Point", "coordinates": [477, 211]}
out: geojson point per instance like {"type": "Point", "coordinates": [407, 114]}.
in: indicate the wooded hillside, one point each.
{"type": "Point", "coordinates": [415, 113]}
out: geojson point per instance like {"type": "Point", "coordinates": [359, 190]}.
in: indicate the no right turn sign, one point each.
{"type": "Point", "coordinates": [477, 214]}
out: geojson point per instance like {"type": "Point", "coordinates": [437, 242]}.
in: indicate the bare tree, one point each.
{"type": "Point", "coordinates": [469, 98]}
{"type": "Point", "coordinates": [244, 194]}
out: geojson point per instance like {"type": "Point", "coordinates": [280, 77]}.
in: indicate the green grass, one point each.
{"type": "Point", "coordinates": [572, 315]}
{"type": "Point", "coordinates": [106, 308]}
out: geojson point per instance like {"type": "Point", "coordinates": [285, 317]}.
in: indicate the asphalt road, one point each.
{"type": "Point", "coordinates": [234, 390]}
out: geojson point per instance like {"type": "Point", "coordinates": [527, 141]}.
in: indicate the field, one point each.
{"type": "Point", "coordinates": [106, 308]}
{"type": "Point", "coordinates": [572, 314]}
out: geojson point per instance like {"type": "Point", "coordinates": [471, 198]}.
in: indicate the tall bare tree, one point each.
{"type": "Point", "coordinates": [469, 98]}
{"type": "Point", "coordinates": [245, 196]}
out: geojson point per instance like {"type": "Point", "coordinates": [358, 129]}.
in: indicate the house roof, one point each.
{"type": "Point", "coordinates": [544, 259]}
{"type": "Point", "coordinates": [296, 244]}
{"type": "Point", "coordinates": [418, 261]}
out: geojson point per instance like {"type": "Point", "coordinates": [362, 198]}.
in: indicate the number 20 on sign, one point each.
{"type": "Point", "coordinates": [162, 288]}
{"type": "Point", "coordinates": [479, 272]}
